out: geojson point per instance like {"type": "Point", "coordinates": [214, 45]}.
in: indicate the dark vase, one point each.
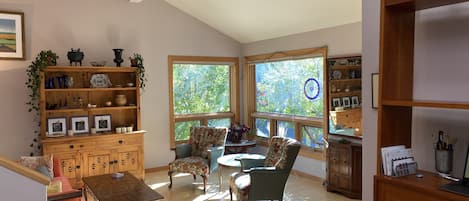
{"type": "Point", "coordinates": [235, 137]}
{"type": "Point", "coordinates": [75, 56]}
{"type": "Point", "coordinates": [118, 56]}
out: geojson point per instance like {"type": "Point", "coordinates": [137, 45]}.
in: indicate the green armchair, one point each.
{"type": "Point", "coordinates": [199, 156]}
{"type": "Point", "coordinates": [265, 179]}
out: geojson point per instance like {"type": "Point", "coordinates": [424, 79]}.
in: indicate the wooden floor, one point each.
{"type": "Point", "coordinates": [186, 189]}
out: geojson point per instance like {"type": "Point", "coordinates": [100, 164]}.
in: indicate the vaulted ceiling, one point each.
{"type": "Point", "coordinates": [254, 20]}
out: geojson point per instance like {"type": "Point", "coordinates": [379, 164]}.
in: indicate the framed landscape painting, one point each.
{"type": "Point", "coordinates": [11, 35]}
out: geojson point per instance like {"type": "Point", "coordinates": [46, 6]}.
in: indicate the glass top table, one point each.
{"type": "Point", "coordinates": [232, 160]}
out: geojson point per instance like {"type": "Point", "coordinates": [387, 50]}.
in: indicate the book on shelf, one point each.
{"type": "Point", "coordinates": [398, 161]}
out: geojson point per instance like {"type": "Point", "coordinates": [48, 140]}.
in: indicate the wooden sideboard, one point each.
{"type": "Point", "coordinates": [344, 168]}
{"type": "Point", "coordinates": [97, 154]}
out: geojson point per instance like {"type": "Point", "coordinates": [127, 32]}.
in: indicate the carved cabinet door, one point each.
{"type": "Point", "coordinates": [71, 167]}
{"type": "Point", "coordinates": [128, 160]}
{"type": "Point", "coordinates": [98, 163]}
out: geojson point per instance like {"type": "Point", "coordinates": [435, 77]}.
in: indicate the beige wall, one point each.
{"type": "Point", "coordinates": [340, 40]}
{"type": "Point", "coordinates": [13, 186]}
{"type": "Point", "coordinates": [153, 28]}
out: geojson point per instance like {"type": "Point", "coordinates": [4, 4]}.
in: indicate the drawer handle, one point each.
{"type": "Point", "coordinates": [115, 161]}
{"type": "Point", "coordinates": [82, 145]}
{"type": "Point", "coordinates": [78, 167]}
{"type": "Point", "coordinates": [71, 146]}
{"type": "Point", "coordinates": [121, 141]}
{"type": "Point", "coordinates": [111, 162]}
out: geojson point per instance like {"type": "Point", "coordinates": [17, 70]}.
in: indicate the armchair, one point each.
{"type": "Point", "coordinates": [199, 156]}
{"type": "Point", "coordinates": [68, 193]}
{"type": "Point", "coordinates": [265, 179]}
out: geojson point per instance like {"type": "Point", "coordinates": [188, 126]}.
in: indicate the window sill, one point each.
{"type": "Point", "coordinates": [304, 151]}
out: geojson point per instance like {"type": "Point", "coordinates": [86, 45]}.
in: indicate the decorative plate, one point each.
{"type": "Point", "coordinates": [311, 89]}
{"type": "Point", "coordinates": [336, 75]}
{"type": "Point", "coordinates": [100, 81]}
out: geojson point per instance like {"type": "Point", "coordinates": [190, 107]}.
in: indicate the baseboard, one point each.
{"type": "Point", "coordinates": [156, 169]}
{"type": "Point", "coordinates": [304, 174]}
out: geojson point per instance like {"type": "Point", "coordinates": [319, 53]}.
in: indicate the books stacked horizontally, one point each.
{"type": "Point", "coordinates": [398, 161]}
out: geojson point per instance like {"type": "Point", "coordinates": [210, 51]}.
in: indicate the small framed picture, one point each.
{"type": "Point", "coordinates": [80, 124]}
{"type": "Point", "coordinates": [56, 126]}
{"type": "Point", "coordinates": [346, 102]}
{"type": "Point", "coordinates": [336, 102]}
{"type": "Point", "coordinates": [102, 122]}
{"type": "Point", "coordinates": [355, 102]}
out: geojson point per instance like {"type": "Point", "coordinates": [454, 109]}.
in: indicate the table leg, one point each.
{"type": "Point", "coordinates": [219, 177]}
{"type": "Point", "coordinates": [85, 192]}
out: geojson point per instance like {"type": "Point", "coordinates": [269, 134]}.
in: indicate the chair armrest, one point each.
{"type": "Point", "coordinates": [260, 169]}
{"type": "Point", "coordinates": [65, 195]}
{"type": "Point", "coordinates": [214, 154]}
{"type": "Point", "coordinates": [183, 150]}
{"type": "Point", "coordinates": [247, 163]}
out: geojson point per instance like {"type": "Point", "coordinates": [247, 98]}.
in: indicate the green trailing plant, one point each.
{"type": "Point", "coordinates": [137, 61]}
{"type": "Point", "coordinates": [44, 58]}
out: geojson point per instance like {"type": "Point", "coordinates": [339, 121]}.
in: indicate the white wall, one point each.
{"type": "Point", "coordinates": [370, 64]}
{"type": "Point", "coordinates": [14, 185]}
{"type": "Point", "coordinates": [441, 72]}
{"type": "Point", "coordinates": [341, 40]}
{"type": "Point", "coordinates": [153, 28]}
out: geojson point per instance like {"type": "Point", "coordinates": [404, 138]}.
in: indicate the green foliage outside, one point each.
{"type": "Point", "coordinates": [280, 87]}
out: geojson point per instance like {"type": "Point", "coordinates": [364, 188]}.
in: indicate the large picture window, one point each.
{"type": "Point", "coordinates": [285, 95]}
{"type": "Point", "coordinates": [203, 91]}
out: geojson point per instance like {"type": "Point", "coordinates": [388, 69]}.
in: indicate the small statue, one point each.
{"type": "Point", "coordinates": [75, 56]}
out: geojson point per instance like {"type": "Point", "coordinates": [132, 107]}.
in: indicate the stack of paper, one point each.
{"type": "Point", "coordinates": [398, 161]}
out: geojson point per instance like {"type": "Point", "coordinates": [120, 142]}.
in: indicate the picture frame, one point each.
{"type": "Point", "coordinates": [374, 90]}
{"type": "Point", "coordinates": [336, 102]}
{"type": "Point", "coordinates": [80, 124]}
{"type": "Point", "coordinates": [102, 123]}
{"type": "Point", "coordinates": [355, 102]}
{"type": "Point", "coordinates": [56, 126]}
{"type": "Point", "coordinates": [346, 102]}
{"type": "Point", "coordinates": [12, 35]}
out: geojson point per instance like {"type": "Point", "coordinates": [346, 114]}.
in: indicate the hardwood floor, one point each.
{"type": "Point", "coordinates": [186, 189]}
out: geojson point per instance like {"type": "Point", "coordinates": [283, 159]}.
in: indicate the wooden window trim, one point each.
{"type": "Point", "coordinates": [234, 92]}
{"type": "Point", "coordinates": [249, 99]}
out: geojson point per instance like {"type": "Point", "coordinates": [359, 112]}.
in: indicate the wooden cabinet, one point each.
{"type": "Point", "coordinates": [396, 100]}
{"type": "Point", "coordinates": [344, 76]}
{"type": "Point", "coordinates": [344, 161]}
{"type": "Point", "coordinates": [87, 154]}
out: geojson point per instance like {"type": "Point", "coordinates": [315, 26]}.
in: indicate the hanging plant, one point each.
{"type": "Point", "coordinates": [44, 58]}
{"type": "Point", "coordinates": [137, 61]}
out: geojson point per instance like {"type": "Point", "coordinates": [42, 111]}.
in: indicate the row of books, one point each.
{"type": "Point", "coordinates": [398, 161]}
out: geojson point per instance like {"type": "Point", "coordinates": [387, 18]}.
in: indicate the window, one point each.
{"type": "Point", "coordinates": [203, 91]}
{"type": "Point", "coordinates": [285, 96]}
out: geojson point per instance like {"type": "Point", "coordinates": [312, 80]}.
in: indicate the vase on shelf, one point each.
{"type": "Point", "coordinates": [118, 56]}
{"type": "Point", "coordinates": [121, 100]}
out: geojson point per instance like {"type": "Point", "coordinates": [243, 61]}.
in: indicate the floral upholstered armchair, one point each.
{"type": "Point", "coordinates": [265, 179]}
{"type": "Point", "coordinates": [199, 156]}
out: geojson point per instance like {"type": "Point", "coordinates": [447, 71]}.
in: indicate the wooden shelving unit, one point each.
{"type": "Point", "coordinates": [396, 100]}
{"type": "Point", "coordinates": [88, 154]}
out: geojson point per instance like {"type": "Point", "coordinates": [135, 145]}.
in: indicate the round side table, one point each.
{"type": "Point", "coordinates": [232, 160]}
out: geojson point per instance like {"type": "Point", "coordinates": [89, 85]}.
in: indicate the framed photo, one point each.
{"type": "Point", "coordinates": [56, 126]}
{"type": "Point", "coordinates": [355, 102]}
{"type": "Point", "coordinates": [80, 124]}
{"type": "Point", "coordinates": [346, 102]}
{"type": "Point", "coordinates": [374, 90]}
{"type": "Point", "coordinates": [102, 122]}
{"type": "Point", "coordinates": [336, 102]}
{"type": "Point", "coordinates": [11, 35]}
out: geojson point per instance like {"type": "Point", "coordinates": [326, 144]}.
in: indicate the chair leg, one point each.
{"type": "Point", "coordinates": [231, 194]}
{"type": "Point", "coordinates": [194, 176]}
{"type": "Point", "coordinates": [170, 174]}
{"type": "Point", "coordinates": [205, 182]}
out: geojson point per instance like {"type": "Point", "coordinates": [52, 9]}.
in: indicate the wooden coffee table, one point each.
{"type": "Point", "coordinates": [126, 188]}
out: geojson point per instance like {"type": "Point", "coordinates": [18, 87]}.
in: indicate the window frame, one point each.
{"type": "Point", "coordinates": [249, 99]}
{"type": "Point", "coordinates": [234, 112]}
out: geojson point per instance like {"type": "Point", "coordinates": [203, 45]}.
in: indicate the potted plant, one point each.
{"type": "Point", "coordinates": [137, 61]}
{"type": "Point", "coordinates": [44, 58]}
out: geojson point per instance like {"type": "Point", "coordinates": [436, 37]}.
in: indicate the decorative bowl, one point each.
{"type": "Point", "coordinates": [98, 63]}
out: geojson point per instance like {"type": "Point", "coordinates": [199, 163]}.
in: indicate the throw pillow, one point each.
{"type": "Point", "coordinates": [34, 162]}
{"type": "Point", "coordinates": [45, 171]}
{"type": "Point", "coordinates": [54, 187]}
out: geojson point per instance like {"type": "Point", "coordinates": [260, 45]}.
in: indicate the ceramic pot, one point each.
{"type": "Point", "coordinates": [75, 56]}
{"type": "Point", "coordinates": [121, 100]}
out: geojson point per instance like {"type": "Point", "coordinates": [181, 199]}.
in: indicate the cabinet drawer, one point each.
{"type": "Point", "coordinates": [68, 146]}
{"type": "Point", "coordinates": [119, 141]}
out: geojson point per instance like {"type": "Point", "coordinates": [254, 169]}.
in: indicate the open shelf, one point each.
{"type": "Point", "coordinates": [422, 4]}
{"type": "Point", "coordinates": [432, 104]}
{"type": "Point", "coordinates": [90, 69]}
{"type": "Point", "coordinates": [347, 80]}
{"type": "Point", "coordinates": [92, 89]}
{"type": "Point", "coordinates": [345, 67]}
{"type": "Point", "coordinates": [91, 109]}
{"type": "Point", "coordinates": [89, 136]}
{"type": "Point", "coordinates": [351, 93]}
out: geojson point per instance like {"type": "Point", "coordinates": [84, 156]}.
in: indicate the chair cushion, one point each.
{"type": "Point", "coordinates": [202, 138]}
{"type": "Point", "coordinates": [66, 188]}
{"type": "Point", "coordinates": [193, 165]}
{"type": "Point", "coordinates": [239, 184]}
